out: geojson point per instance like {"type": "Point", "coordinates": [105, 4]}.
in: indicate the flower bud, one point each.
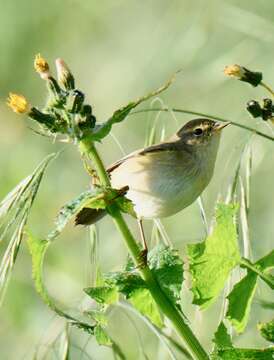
{"type": "Point", "coordinates": [267, 109]}
{"type": "Point", "coordinates": [64, 76]}
{"type": "Point", "coordinates": [42, 67]}
{"type": "Point", "coordinates": [89, 120]}
{"type": "Point", "coordinates": [76, 98]}
{"type": "Point", "coordinates": [243, 74]}
{"type": "Point", "coordinates": [18, 103]}
{"type": "Point", "coordinates": [45, 119]}
{"type": "Point", "coordinates": [254, 108]}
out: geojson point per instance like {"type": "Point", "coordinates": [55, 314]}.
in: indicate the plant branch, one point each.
{"type": "Point", "coordinates": [183, 111]}
{"type": "Point", "coordinates": [267, 87]}
{"type": "Point", "coordinates": [87, 147]}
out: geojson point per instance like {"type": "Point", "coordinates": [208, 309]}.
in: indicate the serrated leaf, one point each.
{"type": "Point", "coordinates": [244, 354]}
{"type": "Point", "coordinates": [102, 130]}
{"type": "Point", "coordinates": [103, 294]}
{"type": "Point", "coordinates": [224, 349]}
{"type": "Point", "coordinates": [37, 249]}
{"type": "Point", "coordinates": [101, 336]}
{"type": "Point", "coordinates": [239, 301]}
{"type": "Point", "coordinates": [267, 330]}
{"type": "Point", "coordinates": [242, 294]}
{"type": "Point", "coordinates": [126, 205]}
{"type": "Point", "coordinates": [126, 281]}
{"type": "Point", "coordinates": [212, 260]}
{"type": "Point", "coordinates": [134, 288]}
{"type": "Point", "coordinates": [142, 300]}
{"type": "Point", "coordinates": [68, 211]}
{"type": "Point", "coordinates": [167, 266]}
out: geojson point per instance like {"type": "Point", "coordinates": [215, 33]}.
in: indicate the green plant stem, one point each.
{"type": "Point", "coordinates": [87, 147]}
{"type": "Point", "coordinates": [267, 87]}
{"type": "Point", "coordinates": [248, 265]}
{"type": "Point", "coordinates": [183, 111]}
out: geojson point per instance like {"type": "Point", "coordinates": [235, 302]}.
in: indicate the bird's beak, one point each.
{"type": "Point", "coordinates": [220, 125]}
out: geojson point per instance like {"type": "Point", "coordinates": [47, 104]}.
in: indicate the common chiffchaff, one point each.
{"type": "Point", "coordinates": [165, 178]}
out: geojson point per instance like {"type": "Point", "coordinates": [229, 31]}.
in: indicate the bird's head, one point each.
{"type": "Point", "coordinates": [201, 132]}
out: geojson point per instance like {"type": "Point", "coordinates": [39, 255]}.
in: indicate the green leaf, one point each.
{"type": "Point", "coordinates": [222, 339]}
{"type": "Point", "coordinates": [242, 294]}
{"type": "Point", "coordinates": [224, 349]}
{"type": "Point", "coordinates": [85, 199]}
{"type": "Point", "coordinates": [266, 262]}
{"type": "Point", "coordinates": [38, 248]}
{"type": "Point", "coordinates": [126, 281]}
{"type": "Point", "coordinates": [134, 288]}
{"type": "Point", "coordinates": [102, 130]}
{"type": "Point", "coordinates": [142, 300]}
{"type": "Point", "coordinates": [212, 260]}
{"type": "Point", "coordinates": [267, 330]}
{"type": "Point", "coordinates": [103, 294]}
{"type": "Point", "coordinates": [244, 354]}
{"type": "Point", "coordinates": [126, 205]}
{"type": "Point", "coordinates": [240, 300]}
{"type": "Point", "coordinates": [101, 336]}
{"type": "Point", "coordinates": [167, 266]}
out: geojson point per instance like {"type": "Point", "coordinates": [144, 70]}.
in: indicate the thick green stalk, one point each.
{"type": "Point", "coordinates": [163, 302]}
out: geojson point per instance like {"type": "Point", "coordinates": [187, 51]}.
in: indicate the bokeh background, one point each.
{"type": "Point", "coordinates": [119, 50]}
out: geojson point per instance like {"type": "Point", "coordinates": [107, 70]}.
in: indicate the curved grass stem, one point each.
{"type": "Point", "coordinates": [192, 343]}
{"type": "Point", "coordinates": [218, 118]}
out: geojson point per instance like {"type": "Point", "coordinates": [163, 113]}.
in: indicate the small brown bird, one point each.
{"type": "Point", "coordinates": [165, 178]}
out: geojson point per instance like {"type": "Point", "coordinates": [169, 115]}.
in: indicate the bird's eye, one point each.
{"type": "Point", "coordinates": [198, 132]}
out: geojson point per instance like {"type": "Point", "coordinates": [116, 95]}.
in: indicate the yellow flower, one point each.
{"type": "Point", "coordinates": [18, 103]}
{"type": "Point", "coordinates": [41, 66]}
{"type": "Point", "coordinates": [235, 70]}
{"type": "Point", "coordinates": [239, 72]}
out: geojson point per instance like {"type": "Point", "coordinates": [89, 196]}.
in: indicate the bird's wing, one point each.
{"type": "Point", "coordinates": [168, 146]}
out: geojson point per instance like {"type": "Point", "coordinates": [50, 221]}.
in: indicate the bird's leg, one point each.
{"type": "Point", "coordinates": [143, 254]}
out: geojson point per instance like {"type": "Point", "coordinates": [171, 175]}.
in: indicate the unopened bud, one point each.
{"type": "Point", "coordinates": [89, 120]}
{"type": "Point", "coordinates": [243, 74]}
{"type": "Point", "coordinates": [18, 103]}
{"type": "Point", "coordinates": [64, 76]}
{"type": "Point", "coordinates": [77, 99]}
{"type": "Point", "coordinates": [42, 67]}
{"type": "Point", "coordinates": [267, 109]}
{"type": "Point", "coordinates": [254, 108]}
{"type": "Point", "coordinates": [45, 119]}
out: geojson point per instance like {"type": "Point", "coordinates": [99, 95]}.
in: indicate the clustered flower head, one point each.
{"type": "Point", "coordinates": [265, 109]}
{"type": "Point", "coordinates": [243, 74]}
{"type": "Point", "coordinates": [42, 67]}
{"type": "Point", "coordinates": [18, 103]}
{"type": "Point", "coordinates": [65, 111]}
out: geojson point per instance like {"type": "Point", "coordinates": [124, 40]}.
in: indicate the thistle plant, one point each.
{"type": "Point", "coordinates": [152, 289]}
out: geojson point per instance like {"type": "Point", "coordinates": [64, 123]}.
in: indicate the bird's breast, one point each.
{"type": "Point", "coordinates": [159, 184]}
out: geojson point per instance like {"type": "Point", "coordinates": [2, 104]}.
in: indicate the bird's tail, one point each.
{"type": "Point", "coordinates": [88, 216]}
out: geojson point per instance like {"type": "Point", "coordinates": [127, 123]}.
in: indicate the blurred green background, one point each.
{"type": "Point", "coordinates": [119, 50]}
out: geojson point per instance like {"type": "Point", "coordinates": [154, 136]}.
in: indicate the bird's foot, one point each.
{"type": "Point", "coordinates": [142, 259]}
